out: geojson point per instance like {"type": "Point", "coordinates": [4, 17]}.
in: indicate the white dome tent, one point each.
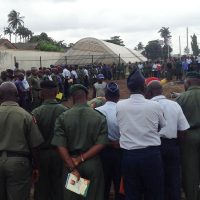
{"type": "Point", "coordinates": [93, 51]}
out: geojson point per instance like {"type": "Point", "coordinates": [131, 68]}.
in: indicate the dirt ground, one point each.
{"type": "Point", "coordinates": [168, 88]}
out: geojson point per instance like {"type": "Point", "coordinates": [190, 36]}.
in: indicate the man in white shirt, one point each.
{"type": "Point", "coordinates": [74, 75]}
{"type": "Point", "coordinates": [99, 87]}
{"type": "Point", "coordinates": [112, 154]}
{"type": "Point", "coordinates": [154, 70]}
{"type": "Point", "coordinates": [176, 125]}
{"type": "Point", "coordinates": [140, 66]}
{"type": "Point", "coordinates": [86, 77]}
{"type": "Point", "coordinates": [198, 63]}
{"type": "Point", "coordinates": [139, 122]}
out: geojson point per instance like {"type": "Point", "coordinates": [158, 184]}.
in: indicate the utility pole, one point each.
{"type": "Point", "coordinates": [180, 46]}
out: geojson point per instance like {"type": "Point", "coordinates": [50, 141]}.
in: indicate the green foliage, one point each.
{"type": "Point", "coordinates": [42, 37]}
{"type": "Point", "coordinates": [8, 31]}
{"type": "Point", "coordinates": [71, 45]}
{"type": "Point", "coordinates": [165, 34]}
{"type": "Point", "coordinates": [116, 40]}
{"type": "Point", "coordinates": [194, 45]}
{"type": "Point", "coordinates": [166, 50]}
{"type": "Point", "coordinates": [14, 19]}
{"type": "Point", "coordinates": [139, 47]}
{"type": "Point", "coordinates": [23, 32]}
{"type": "Point", "coordinates": [153, 50]}
{"type": "Point", "coordinates": [48, 46]}
{"type": "Point", "coordinates": [46, 43]}
{"type": "Point", "coordinates": [186, 50]}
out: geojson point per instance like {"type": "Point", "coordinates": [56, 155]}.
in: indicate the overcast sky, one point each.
{"type": "Point", "coordinates": [134, 20]}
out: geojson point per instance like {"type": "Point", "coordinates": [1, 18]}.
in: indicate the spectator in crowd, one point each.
{"type": "Point", "coordinates": [34, 83]}
{"type": "Point", "coordinates": [178, 66]}
{"type": "Point", "coordinates": [66, 76]}
{"type": "Point", "coordinates": [112, 154]}
{"type": "Point", "coordinates": [184, 67]}
{"type": "Point", "coordinates": [139, 122]}
{"type": "Point", "coordinates": [174, 131]}
{"type": "Point", "coordinates": [49, 184]}
{"type": "Point", "coordinates": [79, 145]}
{"type": "Point", "coordinates": [19, 137]}
{"type": "Point", "coordinates": [23, 92]}
{"type": "Point", "coordinates": [99, 87]}
{"type": "Point", "coordinates": [190, 103]}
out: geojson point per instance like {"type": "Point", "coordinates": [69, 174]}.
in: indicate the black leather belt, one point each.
{"type": "Point", "coordinates": [15, 154]}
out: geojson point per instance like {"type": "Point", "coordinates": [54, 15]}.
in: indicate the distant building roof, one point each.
{"type": "Point", "coordinates": [7, 44]}
{"type": "Point", "coordinates": [26, 46]}
{"type": "Point", "coordinates": [91, 50]}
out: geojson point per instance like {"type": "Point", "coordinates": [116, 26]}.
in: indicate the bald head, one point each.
{"type": "Point", "coordinates": [189, 82]}
{"type": "Point", "coordinates": [154, 88]}
{"type": "Point", "coordinates": [8, 92]}
{"type": "Point", "coordinates": [20, 76]}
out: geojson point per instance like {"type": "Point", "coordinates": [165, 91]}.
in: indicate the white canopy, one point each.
{"type": "Point", "coordinates": [91, 50]}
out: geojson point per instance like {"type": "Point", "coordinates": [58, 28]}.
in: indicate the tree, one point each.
{"type": "Point", "coordinates": [61, 44]}
{"type": "Point", "coordinates": [15, 20]}
{"type": "Point", "coordinates": [153, 50]}
{"type": "Point", "coordinates": [165, 34]}
{"type": "Point", "coordinates": [8, 31]}
{"type": "Point", "coordinates": [116, 40]}
{"type": "Point", "coordinates": [42, 37]}
{"type": "Point", "coordinates": [194, 45]}
{"type": "Point", "coordinates": [186, 50]}
{"type": "Point", "coordinates": [166, 51]}
{"type": "Point", "coordinates": [139, 47]}
{"type": "Point", "coordinates": [46, 43]}
{"type": "Point", "coordinates": [71, 45]}
{"type": "Point", "coordinates": [20, 31]}
{"type": "Point", "coordinates": [24, 33]}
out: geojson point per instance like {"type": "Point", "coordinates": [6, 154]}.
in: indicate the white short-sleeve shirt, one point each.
{"type": "Point", "coordinates": [73, 72]}
{"type": "Point", "coordinates": [139, 120]}
{"type": "Point", "coordinates": [66, 73]}
{"type": "Point", "coordinates": [109, 110]}
{"type": "Point", "coordinates": [175, 118]}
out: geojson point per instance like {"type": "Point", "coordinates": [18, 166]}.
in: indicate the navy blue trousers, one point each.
{"type": "Point", "coordinates": [171, 164]}
{"type": "Point", "coordinates": [143, 174]}
{"type": "Point", "coordinates": [111, 160]}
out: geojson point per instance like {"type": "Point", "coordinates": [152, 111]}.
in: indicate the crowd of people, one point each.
{"type": "Point", "coordinates": [146, 146]}
{"type": "Point", "coordinates": [28, 82]}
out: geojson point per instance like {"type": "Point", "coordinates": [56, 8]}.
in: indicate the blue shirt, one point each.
{"type": "Point", "coordinates": [109, 110]}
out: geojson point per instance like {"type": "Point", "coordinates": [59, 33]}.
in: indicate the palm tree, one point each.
{"type": "Point", "coordinates": [8, 31]}
{"type": "Point", "coordinates": [20, 31]}
{"type": "Point", "coordinates": [15, 20]}
{"type": "Point", "coordinates": [29, 34]}
{"type": "Point", "coordinates": [165, 34]}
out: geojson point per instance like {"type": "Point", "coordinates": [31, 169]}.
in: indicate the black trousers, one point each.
{"type": "Point", "coordinates": [143, 174]}
{"type": "Point", "coordinates": [50, 183]}
{"type": "Point", "coordinates": [171, 164]}
{"type": "Point", "coordinates": [111, 160]}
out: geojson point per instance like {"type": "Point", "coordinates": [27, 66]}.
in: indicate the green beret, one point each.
{"type": "Point", "coordinates": [77, 87]}
{"type": "Point", "coordinates": [193, 74]}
